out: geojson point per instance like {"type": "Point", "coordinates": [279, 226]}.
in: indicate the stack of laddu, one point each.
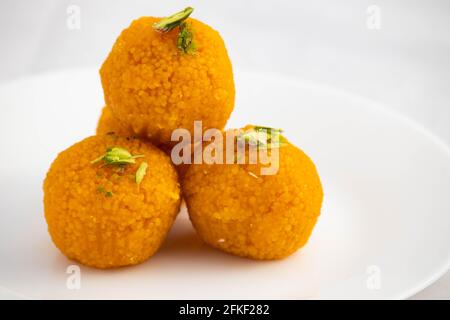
{"type": "Point", "coordinates": [111, 199]}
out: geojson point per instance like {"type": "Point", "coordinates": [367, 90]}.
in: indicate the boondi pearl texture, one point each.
{"type": "Point", "coordinates": [236, 209]}
{"type": "Point", "coordinates": [98, 214]}
{"type": "Point", "coordinates": [153, 88]}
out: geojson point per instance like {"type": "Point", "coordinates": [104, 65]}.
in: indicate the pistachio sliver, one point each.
{"type": "Point", "coordinates": [140, 173]}
{"type": "Point", "coordinates": [166, 24]}
{"type": "Point", "coordinates": [185, 40]}
{"type": "Point", "coordinates": [263, 137]}
{"type": "Point", "coordinates": [117, 156]}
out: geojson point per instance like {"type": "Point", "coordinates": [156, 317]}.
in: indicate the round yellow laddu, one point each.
{"type": "Point", "coordinates": [97, 214]}
{"type": "Point", "coordinates": [153, 88]}
{"type": "Point", "coordinates": [236, 209]}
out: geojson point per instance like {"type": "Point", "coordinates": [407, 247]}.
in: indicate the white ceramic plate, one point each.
{"type": "Point", "coordinates": [384, 231]}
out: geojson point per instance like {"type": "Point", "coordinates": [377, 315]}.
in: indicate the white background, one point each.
{"type": "Point", "coordinates": [404, 65]}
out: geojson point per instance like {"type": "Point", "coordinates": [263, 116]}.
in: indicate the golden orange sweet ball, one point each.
{"type": "Point", "coordinates": [157, 80]}
{"type": "Point", "coordinates": [110, 201]}
{"type": "Point", "coordinates": [237, 209]}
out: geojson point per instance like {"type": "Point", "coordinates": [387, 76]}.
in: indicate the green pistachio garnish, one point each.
{"type": "Point", "coordinates": [185, 40]}
{"type": "Point", "coordinates": [140, 173]}
{"type": "Point", "coordinates": [108, 194]}
{"type": "Point", "coordinates": [263, 137]}
{"type": "Point", "coordinates": [166, 24]}
{"type": "Point", "coordinates": [117, 156]}
{"type": "Point", "coordinates": [101, 189]}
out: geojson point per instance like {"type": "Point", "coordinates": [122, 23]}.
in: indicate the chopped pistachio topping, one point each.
{"type": "Point", "coordinates": [117, 156]}
{"type": "Point", "coordinates": [102, 190]}
{"type": "Point", "coordinates": [108, 194]}
{"type": "Point", "coordinates": [140, 173]}
{"type": "Point", "coordinates": [166, 24]}
{"type": "Point", "coordinates": [185, 40]}
{"type": "Point", "coordinates": [263, 137]}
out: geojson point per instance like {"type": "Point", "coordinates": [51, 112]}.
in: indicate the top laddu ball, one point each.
{"type": "Point", "coordinates": [165, 73]}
